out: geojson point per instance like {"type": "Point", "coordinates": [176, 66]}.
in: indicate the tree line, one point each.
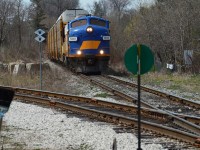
{"type": "Point", "coordinates": [168, 27]}
{"type": "Point", "coordinates": [19, 21]}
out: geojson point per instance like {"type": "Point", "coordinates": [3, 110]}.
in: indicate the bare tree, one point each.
{"type": "Point", "coordinates": [6, 15]}
{"type": "Point", "coordinates": [119, 7]}
{"type": "Point", "coordinates": [168, 27]}
{"type": "Point", "coordinates": [56, 7]}
{"type": "Point", "coordinates": [19, 18]}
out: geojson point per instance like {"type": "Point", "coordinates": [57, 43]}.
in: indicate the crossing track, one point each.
{"type": "Point", "coordinates": [124, 115]}
{"type": "Point", "coordinates": [189, 120]}
{"type": "Point", "coordinates": [159, 93]}
{"type": "Point", "coordinates": [177, 99]}
{"type": "Point", "coordinates": [146, 102]}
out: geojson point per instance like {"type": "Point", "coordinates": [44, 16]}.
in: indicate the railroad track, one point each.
{"type": "Point", "coordinates": [190, 120]}
{"type": "Point", "coordinates": [159, 93]}
{"type": "Point", "coordinates": [171, 97]}
{"type": "Point", "coordinates": [149, 103]}
{"type": "Point", "coordinates": [124, 115]}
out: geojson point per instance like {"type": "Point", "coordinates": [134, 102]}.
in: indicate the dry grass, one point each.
{"type": "Point", "coordinates": [29, 81]}
{"type": "Point", "coordinates": [183, 83]}
{"type": "Point", "coordinates": [24, 80]}
{"type": "Point", "coordinates": [61, 81]}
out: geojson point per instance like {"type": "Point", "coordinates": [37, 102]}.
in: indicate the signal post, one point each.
{"type": "Point", "coordinates": [138, 60]}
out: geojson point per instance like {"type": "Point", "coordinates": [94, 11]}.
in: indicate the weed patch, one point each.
{"type": "Point", "coordinates": [103, 95]}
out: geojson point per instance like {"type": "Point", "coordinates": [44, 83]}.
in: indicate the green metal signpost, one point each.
{"type": "Point", "coordinates": [138, 60]}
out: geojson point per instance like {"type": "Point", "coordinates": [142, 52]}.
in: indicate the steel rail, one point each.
{"type": "Point", "coordinates": [117, 119]}
{"type": "Point", "coordinates": [156, 114]}
{"type": "Point", "coordinates": [159, 93]}
{"type": "Point", "coordinates": [116, 92]}
{"type": "Point", "coordinates": [177, 120]}
{"type": "Point", "coordinates": [192, 119]}
{"type": "Point", "coordinates": [151, 113]}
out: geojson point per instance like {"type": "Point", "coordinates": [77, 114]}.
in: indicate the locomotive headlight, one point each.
{"type": "Point", "coordinates": [89, 29]}
{"type": "Point", "coordinates": [101, 52]}
{"type": "Point", "coordinates": [106, 38]}
{"type": "Point", "coordinates": [79, 52]}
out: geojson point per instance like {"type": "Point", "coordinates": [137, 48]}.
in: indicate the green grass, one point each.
{"type": "Point", "coordinates": [103, 95]}
{"type": "Point", "coordinates": [174, 87]}
{"type": "Point", "coordinates": [184, 83]}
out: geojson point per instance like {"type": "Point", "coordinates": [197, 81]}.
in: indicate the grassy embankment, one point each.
{"type": "Point", "coordinates": [27, 81]}
{"type": "Point", "coordinates": [187, 85]}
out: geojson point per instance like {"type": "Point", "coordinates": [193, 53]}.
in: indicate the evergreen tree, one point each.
{"type": "Point", "coordinates": [98, 10]}
{"type": "Point", "coordinates": [38, 15]}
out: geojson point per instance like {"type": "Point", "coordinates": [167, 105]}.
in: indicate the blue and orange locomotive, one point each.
{"type": "Point", "coordinates": [81, 41]}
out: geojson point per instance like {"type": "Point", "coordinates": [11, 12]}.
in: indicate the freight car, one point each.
{"type": "Point", "coordinates": [81, 41]}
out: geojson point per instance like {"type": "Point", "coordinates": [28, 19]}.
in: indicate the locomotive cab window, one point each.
{"type": "Point", "coordinates": [98, 22]}
{"type": "Point", "coordinates": [79, 23]}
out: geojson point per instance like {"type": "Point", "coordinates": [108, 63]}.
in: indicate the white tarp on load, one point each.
{"type": "Point", "coordinates": [68, 15]}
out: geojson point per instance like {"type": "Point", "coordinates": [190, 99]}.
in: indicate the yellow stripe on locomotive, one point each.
{"type": "Point", "coordinates": [90, 45]}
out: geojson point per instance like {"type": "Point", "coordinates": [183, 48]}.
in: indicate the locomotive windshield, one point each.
{"type": "Point", "coordinates": [98, 22]}
{"type": "Point", "coordinates": [79, 23]}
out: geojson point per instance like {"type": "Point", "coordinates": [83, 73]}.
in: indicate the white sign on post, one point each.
{"type": "Point", "coordinates": [39, 32]}
{"type": "Point", "coordinates": [39, 38]}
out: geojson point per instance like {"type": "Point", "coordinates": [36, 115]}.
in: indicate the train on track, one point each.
{"type": "Point", "coordinates": [80, 41]}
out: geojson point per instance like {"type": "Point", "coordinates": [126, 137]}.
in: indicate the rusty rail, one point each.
{"type": "Point", "coordinates": [118, 119]}
{"type": "Point", "coordinates": [145, 111]}
{"type": "Point", "coordinates": [159, 93]}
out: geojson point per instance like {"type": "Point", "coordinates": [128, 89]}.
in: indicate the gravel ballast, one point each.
{"type": "Point", "coordinates": [27, 126]}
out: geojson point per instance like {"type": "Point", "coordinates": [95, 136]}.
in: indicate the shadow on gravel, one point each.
{"type": "Point", "coordinates": [110, 71]}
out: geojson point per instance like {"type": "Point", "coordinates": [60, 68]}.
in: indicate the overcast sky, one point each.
{"type": "Point", "coordinates": [85, 3]}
